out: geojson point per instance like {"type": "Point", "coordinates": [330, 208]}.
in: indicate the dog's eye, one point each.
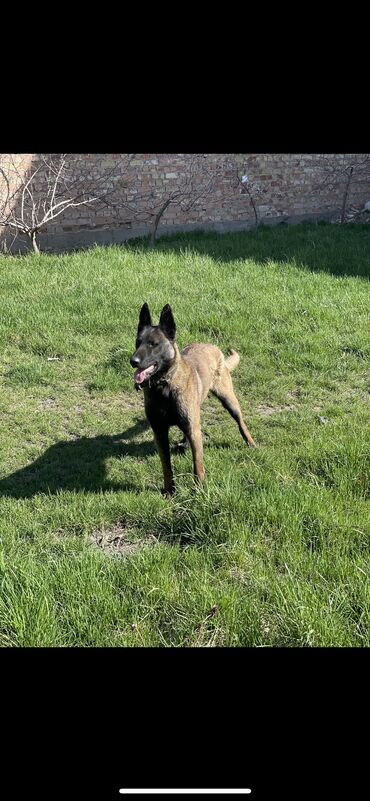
{"type": "Point", "coordinates": [151, 344]}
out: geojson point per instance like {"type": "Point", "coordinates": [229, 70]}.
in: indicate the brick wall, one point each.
{"type": "Point", "coordinates": [284, 186]}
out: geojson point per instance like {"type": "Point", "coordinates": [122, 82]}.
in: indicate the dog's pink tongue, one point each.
{"type": "Point", "coordinates": [141, 375]}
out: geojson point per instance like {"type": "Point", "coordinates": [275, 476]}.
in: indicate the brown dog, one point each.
{"type": "Point", "coordinates": [176, 383]}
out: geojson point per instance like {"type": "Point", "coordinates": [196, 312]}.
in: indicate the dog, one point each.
{"type": "Point", "coordinates": [176, 383]}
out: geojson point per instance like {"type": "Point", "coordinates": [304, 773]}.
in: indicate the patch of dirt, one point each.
{"type": "Point", "coordinates": [294, 394]}
{"type": "Point", "coordinates": [265, 410]}
{"type": "Point", "coordinates": [238, 574]}
{"type": "Point", "coordinates": [48, 403]}
{"type": "Point", "coordinates": [115, 541]}
{"type": "Point", "coordinates": [362, 393]}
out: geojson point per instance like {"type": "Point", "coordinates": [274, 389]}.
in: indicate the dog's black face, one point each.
{"type": "Point", "coordinates": [154, 345]}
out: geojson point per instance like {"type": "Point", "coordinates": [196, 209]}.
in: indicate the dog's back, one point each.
{"type": "Point", "coordinates": [209, 364]}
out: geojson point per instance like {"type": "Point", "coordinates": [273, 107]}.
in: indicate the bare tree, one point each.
{"type": "Point", "coordinates": [186, 189]}
{"type": "Point", "coordinates": [249, 188]}
{"type": "Point", "coordinates": [344, 176]}
{"type": "Point", "coordinates": [245, 178]}
{"type": "Point", "coordinates": [31, 199]}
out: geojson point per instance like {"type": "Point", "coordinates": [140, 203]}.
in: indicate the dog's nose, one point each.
{"type": "Point", "coordinates": [134, 361]}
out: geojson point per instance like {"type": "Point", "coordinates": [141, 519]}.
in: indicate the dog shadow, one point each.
{"type": "Point", "coordinates": [80, 464]}
{"type": "Point", "coordinates": [77, 465]}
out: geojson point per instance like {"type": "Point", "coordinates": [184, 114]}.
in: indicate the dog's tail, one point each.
{"type": "Point", "coordinates": [233, 360]}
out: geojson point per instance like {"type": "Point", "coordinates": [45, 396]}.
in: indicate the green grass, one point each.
{"type": "Point", "coordinates": [274, 549]}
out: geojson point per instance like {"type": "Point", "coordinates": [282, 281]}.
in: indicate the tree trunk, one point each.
{"type": "Point", "coordinates": [254, 208]}
{"type": "Point", "coordinates": [344, 206]}
{"type": "Point", "coordinates": [246, 191]}
{"type": "Point", "coordinates": [33, 236]}
{"type": "Point", "coordinates": [157, 221]}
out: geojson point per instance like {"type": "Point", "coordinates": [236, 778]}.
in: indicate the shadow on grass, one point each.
{"type": "Point", "coordinates": [80, 464]}
{"type": "Point", "coordinates": [77, 465]}
{"type": "Point", "coordinates": [315, 247]}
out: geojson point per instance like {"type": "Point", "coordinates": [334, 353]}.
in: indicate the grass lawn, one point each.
{"type": "Point", "coordinates": [274, 549]}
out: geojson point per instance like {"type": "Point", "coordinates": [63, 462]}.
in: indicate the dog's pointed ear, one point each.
{"type": "Point", "coordinates": [144, 318]}
{"type": "Point", "coordinates": [167, 322]}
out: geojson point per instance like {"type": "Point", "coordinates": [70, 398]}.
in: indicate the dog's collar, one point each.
{"type": "Point", "coordinates": [166, 378]}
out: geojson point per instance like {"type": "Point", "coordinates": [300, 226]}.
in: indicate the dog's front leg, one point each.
{"type": "Point", "coordinates": [163, 448]}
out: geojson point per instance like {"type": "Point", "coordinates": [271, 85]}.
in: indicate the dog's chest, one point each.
{"type": "Point", "coordinates": [162, 406]}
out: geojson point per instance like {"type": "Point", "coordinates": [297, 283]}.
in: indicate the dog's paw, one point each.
{"type": "Point", "coordinates": [167, 493]}
{"type": "Point", "coordinates": [181, 448]}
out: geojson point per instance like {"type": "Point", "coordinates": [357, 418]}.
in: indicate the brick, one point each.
{"type": "Point", "coordinates": [281, 184]}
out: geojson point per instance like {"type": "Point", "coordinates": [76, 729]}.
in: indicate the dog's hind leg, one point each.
{"type": "Point", "coordinates": [196, 443]}
{"type": "Point", "coordinates": [224, 391]}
